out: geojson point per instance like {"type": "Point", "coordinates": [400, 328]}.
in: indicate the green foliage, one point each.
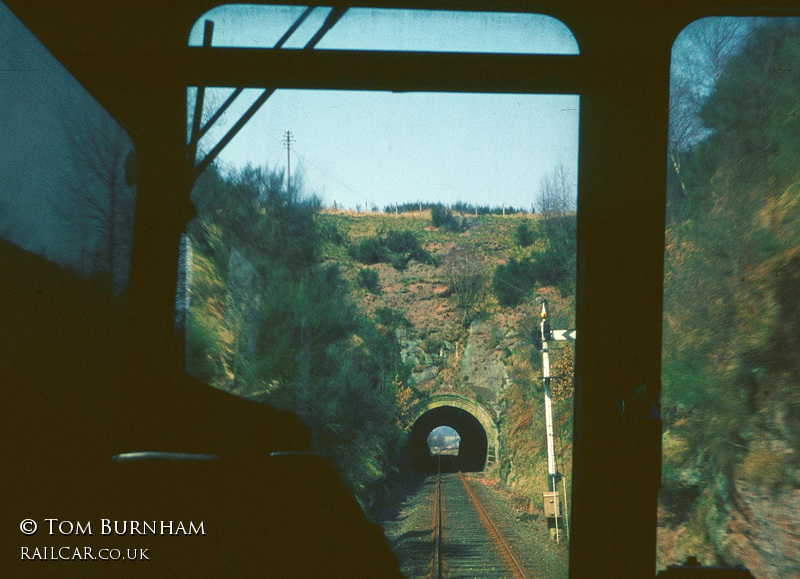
{"type": "Point", "coordinates": [442, 217]}
{"type": "Point", "coordinates": [458, 207]}
{"type": "Point", "coordinates": [513, 281]}
{"type": "Point", "coordinates": [523, 462]}
{"type": "Point", "coordinates": [250, 211]}
{"type": "Point", "coordinates": [369, 280]}
{"type": "Point", "coordinates": [397, 248]}
{"type": "Point", "coordinates": [269, 321]}
{"type": "Point", "coordinates": [554, 266]}
{"type": "Point", "coordinates": [399, 261]}
{"type": "Point", "coordinates": [525, 236]}
{"type": "Point", "coordinates": [201, 349]}
{"type": "Point", "coordinates": [471, 209]}
{"type": "Point", "coordinates": [370, 251]}
{"type": "Point", "coordinates": [731, 333]}
{"type": "Point", "coordinates": [404, 242]}
{"type": "Point", "coordinates": [391, 318]}
{"type": "Point", "coordinates": [328, 231]}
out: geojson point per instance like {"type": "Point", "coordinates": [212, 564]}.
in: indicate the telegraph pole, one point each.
{"type": "Point", "coordinates": [287, 140]}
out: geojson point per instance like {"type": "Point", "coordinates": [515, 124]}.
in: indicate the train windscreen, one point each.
{"type": "Point", "coordinates": [377, 261]}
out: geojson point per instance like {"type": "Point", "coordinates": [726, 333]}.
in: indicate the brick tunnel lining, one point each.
{"type": "Point", "coordinates": [474, 443]}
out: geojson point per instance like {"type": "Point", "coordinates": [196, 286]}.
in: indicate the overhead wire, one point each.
{"type": "Point", "coordinates": [367, 201]}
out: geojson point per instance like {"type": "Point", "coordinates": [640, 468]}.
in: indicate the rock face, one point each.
{"type": "Point", "coordinates": [445, 355]}
{"type": "Point", "coordinates": [450, 346]}
{"type": "Point", "coordinates": [750, 519]}
{"type": "Point", "coordinates": [481, 367]}
{"type": "Point", "coordinates": [467, 361]}
{"type": "Point", "coordinates": [764, 530]}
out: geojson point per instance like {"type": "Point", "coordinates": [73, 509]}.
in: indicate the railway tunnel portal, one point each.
{"type": "Point", "coordinates": [479, 444]}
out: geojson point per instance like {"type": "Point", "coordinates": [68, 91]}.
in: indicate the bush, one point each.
{"type": "Point", "coordinates": [370, 251]}
{"type": "Point", "coordinates": [402, 242]}
{"type": "Point", "coordinates": [512, 281]}
{"type": "Point", "coordinates": [555, 266]}
{"type": "Point", "coordinates": [391, 318]}
{"type": "Point", "coordinates": [399, 261]}
{"type": "Point", "coordinates": [406, 243]}
{"type": "Point", "coordinates": [398, 248]}
{"type": "Point", "coordinates": [369, 280]}
{"type": "Point", "coordinates": [330, 232]}
{"type": "Point", "coordinates": [443, 218]}
{"type": "Point", "coordinates": [525, 236]}
{"type": "Point", "coordinates": [561, 229]}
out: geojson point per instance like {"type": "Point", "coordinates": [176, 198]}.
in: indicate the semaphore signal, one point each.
{"type": "Point", "coordinates": [541, 338]}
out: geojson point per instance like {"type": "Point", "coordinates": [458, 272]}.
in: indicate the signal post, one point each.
{"type": "Point", "coordinates": [552, 504]}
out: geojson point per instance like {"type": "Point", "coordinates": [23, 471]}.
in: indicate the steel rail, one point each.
{"type": "Point", "coordinates": [437, 524]}
{"type": "Point", "coordinates": [515, 565]}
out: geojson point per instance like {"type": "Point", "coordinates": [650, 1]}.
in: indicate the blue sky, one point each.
{"type": "Point", "coordinates": [379, 148]}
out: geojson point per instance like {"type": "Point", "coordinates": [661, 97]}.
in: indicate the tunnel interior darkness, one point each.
{"type": "Point", "coordinates": [472, 449]}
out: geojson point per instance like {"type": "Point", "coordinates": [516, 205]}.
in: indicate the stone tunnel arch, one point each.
{"type": "Point", "coordinates": [479, 446]}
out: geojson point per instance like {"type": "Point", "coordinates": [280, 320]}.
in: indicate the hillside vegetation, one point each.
{"type": "Point", "coordinates": [268, 320]}
{"type": "Point", "coordinates": [351, 320]}
{"type": "Point", "coordinates": [468, 308]}
{"type": "Point", "coordinates": [731, 403]}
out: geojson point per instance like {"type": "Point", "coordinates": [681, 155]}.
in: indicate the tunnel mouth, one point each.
{"type": "Point", "coordinates": [472, 448]}
{"type": "Point", "coordinates": [443, 440]}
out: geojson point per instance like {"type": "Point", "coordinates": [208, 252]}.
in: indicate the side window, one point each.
{"type": "Point", "coordinates": [732, 288]}
{"type": "Point", "coordinates": [67, 169]}
{"type": "Point", "coordinates": [67, 198]}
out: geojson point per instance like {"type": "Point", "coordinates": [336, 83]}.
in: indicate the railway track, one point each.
{"type": "Point", "coordinates": [467, 543]}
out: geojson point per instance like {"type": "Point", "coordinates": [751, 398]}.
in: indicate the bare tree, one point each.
{"type": "Point", "coordinates": [556, 193]}
{"type": "Point", "coordinates": [714, 42]}
{"type": "Point", "coordinates": [467, 276]}
{"type": "Point", "coordinates": [700, 55]}
{"type": "Point", "coordinates": [99, 196]}
{"type": "Point", "coordinates": [557, 197]}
